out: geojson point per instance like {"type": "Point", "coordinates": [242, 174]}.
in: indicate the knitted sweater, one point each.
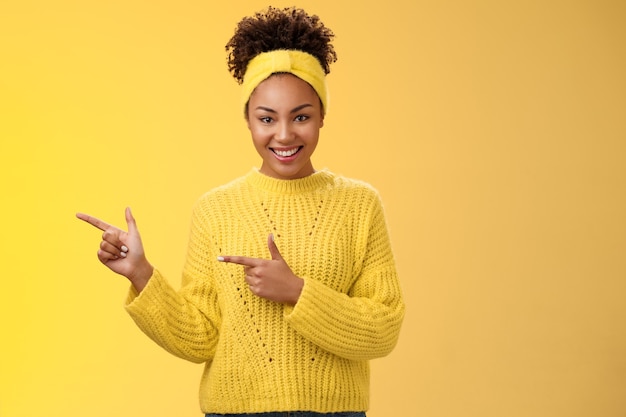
{"type": "Point", "coordinates": [264, 356]}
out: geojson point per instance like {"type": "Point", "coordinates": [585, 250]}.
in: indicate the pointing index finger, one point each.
{"type": "Point", "coordinates": [93, 221]}
{"type": "Point", "coordinates": [240, 260]}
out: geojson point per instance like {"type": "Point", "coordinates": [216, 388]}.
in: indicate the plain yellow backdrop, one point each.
{"type": "Point", "coordinates": [495, 132]}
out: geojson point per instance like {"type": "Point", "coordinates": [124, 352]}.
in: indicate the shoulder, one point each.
{"type": "Point", "coordinates": [219, 195]}
{"type": "Point", "coordinates": [356, 198]}
{"type": "Point", "coordinates": [355, 187]}
{"type": "Point", "coordinates": [227, 189]}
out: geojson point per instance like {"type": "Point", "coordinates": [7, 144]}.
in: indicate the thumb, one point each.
{"type": "Point", "coordinates": [130, 221]}
{"type": "Point", "coordinates": [276, 256]}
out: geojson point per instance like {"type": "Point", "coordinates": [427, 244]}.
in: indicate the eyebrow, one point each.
{"type": "Point", "coordinates": [294, 110]}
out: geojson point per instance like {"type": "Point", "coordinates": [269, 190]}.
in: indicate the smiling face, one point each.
{"type": "Point", "coordinates": [284, 118]}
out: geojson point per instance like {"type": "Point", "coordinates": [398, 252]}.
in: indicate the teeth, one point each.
{"type": "Point", "coordinates": [286, 153]}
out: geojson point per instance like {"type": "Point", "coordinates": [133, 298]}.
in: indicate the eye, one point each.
{"type": "Point", "coordinates": [301, 118]}
{"type": "Point", "coordinates": [265, 119]}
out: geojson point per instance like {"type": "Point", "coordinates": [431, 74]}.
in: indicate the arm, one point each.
{"type": "Point", "coordinates": [185, 323]}
{"type": "Point", "coordinates": [364, 323]}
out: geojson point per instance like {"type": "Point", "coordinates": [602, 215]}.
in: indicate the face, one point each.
{"type": "Point", "coordinates": [284, 118]}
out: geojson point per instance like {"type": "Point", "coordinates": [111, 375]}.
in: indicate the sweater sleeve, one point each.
{"type": "Point", "coordinates": [364, 323]}
{"type": "Point", "coordinates": [185, 322]}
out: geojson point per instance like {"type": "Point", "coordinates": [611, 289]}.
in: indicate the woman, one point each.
{"type": "Point", "coordinates": [289, 287]}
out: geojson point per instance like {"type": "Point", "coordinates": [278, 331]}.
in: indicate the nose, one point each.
{"type": "Point", "coordinates": [284, 132]}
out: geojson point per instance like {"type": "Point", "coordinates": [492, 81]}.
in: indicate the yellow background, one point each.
{"type": "Point", "coordinates": [494, 130]}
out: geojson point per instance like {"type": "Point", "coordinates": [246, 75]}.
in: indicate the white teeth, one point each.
{"type": "Point", "coordinates": [286, 153]}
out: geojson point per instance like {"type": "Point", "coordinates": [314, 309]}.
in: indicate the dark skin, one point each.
{"type": "Point", "coordinates": [123, 253]}
{"type": "Point", "coordinates": [272, 279]}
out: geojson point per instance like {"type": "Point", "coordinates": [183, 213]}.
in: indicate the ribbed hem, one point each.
{"type": "Point", "coordinates": [272, 405]}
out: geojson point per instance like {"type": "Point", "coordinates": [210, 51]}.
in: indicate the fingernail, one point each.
{"type": "Point", "coordinates": [123, 254]}
{"type": "Point", "coordinates": [220, 258]}
{"type": "Point", "coordinates": [124, 249]}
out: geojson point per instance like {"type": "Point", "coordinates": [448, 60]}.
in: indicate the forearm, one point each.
{"type": "Point", "coordinates": [142, 275]}
{"type": "Point", "coordinates": [173, 321]}
{"type": "Point", "coordinates": [357, 328]}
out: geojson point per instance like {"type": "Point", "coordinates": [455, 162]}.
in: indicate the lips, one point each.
{"type": "Point", "coordinates": [287, 152]}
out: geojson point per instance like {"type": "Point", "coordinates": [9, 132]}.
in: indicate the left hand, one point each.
{"type": "Point", "coordinates": [271, 279]}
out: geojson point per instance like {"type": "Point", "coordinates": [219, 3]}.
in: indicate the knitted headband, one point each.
{"type": "Point", "coordinates": [301, 64]}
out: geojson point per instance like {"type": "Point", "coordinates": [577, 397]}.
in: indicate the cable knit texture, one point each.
{"type": "Point", "coordinates": [260, 355]}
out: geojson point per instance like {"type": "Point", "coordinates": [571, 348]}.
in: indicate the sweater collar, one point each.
{"type": "Point", "coordinates": [318, 179]}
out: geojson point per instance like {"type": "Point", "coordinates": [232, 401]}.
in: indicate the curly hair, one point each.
{"type": "Point", "coordinates": [274, 28]}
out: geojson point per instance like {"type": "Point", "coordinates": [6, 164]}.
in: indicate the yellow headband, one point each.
{"type": "Point", "coordinates": [301, 64]}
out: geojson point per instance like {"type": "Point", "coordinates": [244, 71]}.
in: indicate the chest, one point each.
{"type": "Point", "coordinates": [316, 235]}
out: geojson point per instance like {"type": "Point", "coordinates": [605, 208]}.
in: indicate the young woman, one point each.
{"type": "Point", "coordinates": [289, 287]}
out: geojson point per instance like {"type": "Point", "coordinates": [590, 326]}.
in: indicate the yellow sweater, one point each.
{"type": "Point", "coordinates": [260, 355]}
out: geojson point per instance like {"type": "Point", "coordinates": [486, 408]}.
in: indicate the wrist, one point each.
{"type": "Point", "coordinates": [142, 275]}
{"type": "Point", "coordinates": [297, 290]}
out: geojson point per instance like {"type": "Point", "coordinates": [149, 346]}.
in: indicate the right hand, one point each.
{"type": "Point", "coordinates": [122, 252]}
